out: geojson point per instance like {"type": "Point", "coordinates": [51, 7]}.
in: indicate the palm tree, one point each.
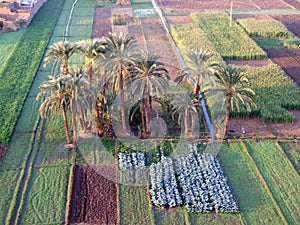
{"type": "Point", "coordinates": [118, 59]}
{"type": "Point", "coordinates": [201, 70]}
{"type": "Point", "coordinates": [60, 52]}
{"type": "Point", "coordinates": [148, 79]}
{"type": "Point", "coordinates": [91, 50]}
{"type": "Point", "coordinates": [184, 105]}
{"type": "Point", "coordinates": [234, 85]}
{"type": "Point", "coordinates": [57, 99]}
{"type": "Point", "coordinates": [82, 97]}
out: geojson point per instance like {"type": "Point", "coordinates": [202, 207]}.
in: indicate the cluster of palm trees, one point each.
{"type": "Point", "coordinates": [113, 67]}
{"type": "Point", "coordinates": [113, 70]}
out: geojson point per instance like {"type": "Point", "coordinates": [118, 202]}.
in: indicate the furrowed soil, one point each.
{"type": "Point", "coordinates": [94, 198]}
{"type": "Point", "coordinates": [102, 22]}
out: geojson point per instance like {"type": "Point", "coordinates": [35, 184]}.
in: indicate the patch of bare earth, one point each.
{"type": "Point", "coordinates": [288, 60]}
{"type": "Point", "coordinates": [196, 5]}
{"type": "Point", "coordinates": [2, 151]}
{"type": "Point", "coordinates": [159, 43]}
{"type": "Point", "coordinates": [94, 198]}
{"type": "Point", "coordinates": [179, 20]}
{"type": "Point", "coordinates": [102, 22]}
{"type": "Point", "coordinates": [257, 127]}
{"type": "Point", "coordinates": [272, 4]}
{"type": "Point", "coordinates": [135, 29]}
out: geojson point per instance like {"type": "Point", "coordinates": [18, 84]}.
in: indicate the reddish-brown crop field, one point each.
{"type": "Point", "coordinates": [102, 22]}
{"type": "Point", "coordinates": [94, 198]}
{"type": "Point", "coordinates": [158, 42]}
{"type": "Point", "coordinates": [179, 19]}
{"type": "Point", "coordinates": [292, 22]}
{"type": "Point", "coordinates": [288, 60]}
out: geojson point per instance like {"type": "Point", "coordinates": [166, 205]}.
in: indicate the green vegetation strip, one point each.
{"type": "Point", "coordinates": [292, 150]}
{"type": "Point", "coordinates": [216, 219]}
{"type": "Point", "coordinates": [232, 42]}
{"type": "Point", "coordinates": [134, 205]}
{"type": "Point", "coordinates": [190, 36]}
{"type": "Point", "coordinates": [254, 200]}
{"type": "Point", "coordinates": [275, 92]}
{"type": "Point", "coordinates": [7, 43]}
{"type": "Point", "coordinates": [280, 176]}
{"type": "Point", "coordinates": [171, 216]}
{"type": "Point", "coordinates": [265, 28]}
{"type": "Point", "coordinates": [18, 72]}
{"type": "Point", "coordinates": [45, 201]}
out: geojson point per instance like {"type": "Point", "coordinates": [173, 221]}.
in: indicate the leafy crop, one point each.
{"type": "Point", "coordinates": [18, 72]}
{"type": "Point", "coordinates": [232, 42]}
{"type": "Point", "coordinates": [265, 28]}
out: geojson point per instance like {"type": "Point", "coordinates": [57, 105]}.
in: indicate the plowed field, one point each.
{"type": "Point", "coordinates": [94, 198]}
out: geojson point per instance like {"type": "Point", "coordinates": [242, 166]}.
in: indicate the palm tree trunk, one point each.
{"type": "Point", "coordinates": [74, 122]}
{"type": "Point", "coordinates": [143, 119]}
{"type": "Point", "coordinates": [89, 71]}
{"type": "Point", "coordinates": [146, 106]}
{"type": "Point", "coordinates": [186, 123]}
{"type": "Point", "coordinates": [194, 116]}
{"type": "Point", "coordinates": [66, 126]}
{"type": "Point", "coordinates": [122, 98]}
{"type": "Point", "coordinates": [227, 112]}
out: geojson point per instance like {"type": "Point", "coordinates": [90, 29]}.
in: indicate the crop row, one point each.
{"type": "Point", "coordinates": [231, 41]}
{"type": "Point", "coordinates": [200, 178]}
{"type": "Point", "coordinates": [20, 68]}
{"type": "Point", "coordinates": [254, 200]}
{"type": "Point", "coordinates": [203, 183]}
{"type": "Point", "coordinates": [281, 177]}
{"type": "Point", "coordinates": [275, 93]}
{"type": "Point", "coordinates": [190, 36]}
{"type": "Point", "coordinates": [265, 28]}
{"type": "Point", "coordinates": [7, 43]}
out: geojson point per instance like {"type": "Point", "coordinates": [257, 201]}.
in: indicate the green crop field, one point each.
{"type": "Point", "coordinates": [172, 216]}
{"type": "Point", "coordinates": [45, 201]}
{"type": "Point", "coordinates": [232, 42]}
{"type": "Point", "coordinates": [135, 205]}
{"type": "Point", "coordinates": [254, 200]}
{"type": "Point", "coordinates": [7, 43]}
{"type": "Point", "coordinates": [282, 179]}
{"type": "Point", "coordinates": [292, 150]}
{"type": "Point", "coordinates": [265, 28]}
{"type": "Point", "coordinates": [19, 70]}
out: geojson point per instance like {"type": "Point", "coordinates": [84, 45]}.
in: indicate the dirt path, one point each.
{"type": "Point", "coordinates": [255, 127]}
{"type": "Point", "coordinates": [94, 198]}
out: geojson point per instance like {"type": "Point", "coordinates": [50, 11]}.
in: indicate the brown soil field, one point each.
{"type": "Point", "coordinates": [288, 60]}
{"type": "Point", "coordinates": [102, 22]}
{"type": "Point", "coordinates": [293, 3]}
{"type": "Point", "coordinates": [117, 10]}
{"type": "Point", "coordinates": [292, 22]}
{"type": "Point", "coordinates": [257, 127]}
{"type": "Point", "coordinates": [272, 4]}
{"type": "Point", "coordinates": [194, 5]}
{"type": "Point", "coordinates": [2, 152]}
{"type": "Point", "coordinates": [179, 20]}
{"type": "Point", "coordinates": [94, 198]}
{"type": "Point", "coordinates": [158, 42]}
{"type": "Point", "coordinates": [254, 63]}
{"type": "Point", "coordinates": [135, 29]}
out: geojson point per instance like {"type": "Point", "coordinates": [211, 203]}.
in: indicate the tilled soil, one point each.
{"type": "Point", "coordinates": [292, 22]}
{"type": "Point", "coordinates": [102, 22]}
{"type": "Point", "coordinates": [94, 198]}
{"type": "Point", "coordinates": [288, 60]}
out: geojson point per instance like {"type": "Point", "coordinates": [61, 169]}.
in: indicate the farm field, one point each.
{"type": "Point", "coordinates": [43, 182]}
